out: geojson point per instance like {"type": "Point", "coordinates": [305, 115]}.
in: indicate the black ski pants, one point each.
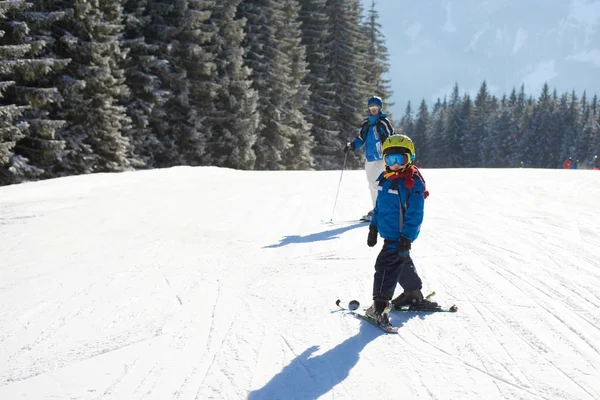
{"type": "Point", "coordinates": [391, 269]}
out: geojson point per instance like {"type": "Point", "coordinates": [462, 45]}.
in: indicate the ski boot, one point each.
{"type": "Point", "coordinates": [415, 301]}
{"type": "Point", "coordinates": [378, 311]}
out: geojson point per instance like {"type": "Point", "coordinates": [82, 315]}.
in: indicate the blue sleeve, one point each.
{"type": "Point", "coordinates": [375, 215]}
{"type": "Point", "coordinates": [413, 217]}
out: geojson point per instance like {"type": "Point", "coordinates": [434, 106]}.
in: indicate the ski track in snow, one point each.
{"type": "Point", "coordinates": [208, 283]}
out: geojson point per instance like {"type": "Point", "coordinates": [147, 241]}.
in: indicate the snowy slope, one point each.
{"type": "Point", "coordinates": [207, 283]}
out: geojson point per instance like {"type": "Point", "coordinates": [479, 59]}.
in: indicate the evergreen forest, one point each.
{"type": "Point", "coordinates": [115, 85]}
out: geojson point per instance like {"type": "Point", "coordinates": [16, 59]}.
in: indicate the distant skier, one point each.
{"type": "Point", "coordinates": [397, 218]}
{"type": "Point", "coordinates": [373, 132]}
{"type": "Point", "coordinates": [596, 163]}
{"type": "Point", "coordinates": [567, 163]}
{"type": "Point", "coordinates": [575, 165]}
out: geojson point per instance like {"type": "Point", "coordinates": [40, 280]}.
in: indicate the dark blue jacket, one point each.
{"type": "Point", "coordinates": [373, 132]}
{"type": "Point", "coordinates": [399, 211]}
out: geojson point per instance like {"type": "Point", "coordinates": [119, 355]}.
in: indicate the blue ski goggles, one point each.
{"type": "Point", "coordinates": [396, 158]}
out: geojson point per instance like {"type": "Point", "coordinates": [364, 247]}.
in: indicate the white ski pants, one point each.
{"type": "Point", "coordinates": [374, 169]}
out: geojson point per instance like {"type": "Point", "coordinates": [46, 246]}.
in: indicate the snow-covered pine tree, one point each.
{"type": "Point", "coordinates": [298, 155]}
{"type": "Point", "coordinates": [419, 134]}
{"type": "Point", "coordinates": [508, 118]}
{"type": "Point", "coordinates": [568, 122]}
{"type": "Point", "coordinates": [480, 149]}
{"type": "Point", "coordinates": [276, 77]}
{"type": "Point", "coordinates": [588, 132]}
{"type": "Point", "coordinates": [194, 83]}
{"type": "Point", "coordinates": [41, 146]}
{"type": "Point", "coordinates": [436, 133]}
{"type": "Point", "coordinates": [456, 124]}
{"type": "Point", "coordinates": [345, 54]}
{"type": "Point", "coordinates": [377, 60]}
{"type": "Point", "coordinates": [465, 125]}
{"type": "Point", "coordinates": [11, 128]}
{"type": "Point", "coordinates": [168, 117]}
{"type": "Point", "coordinates": [575, 123]}
{"type": "Point", "coordinates": [145, 69]}
{"type": "Point", "coordinates": [499, 130]}
{"type": "Point", "coordinates": [234, 122]}
{"type": "Point", "coordinates": [320, 110]}
{"type": "Point", "coordinates": [407, 122]}
{"type": "Point", "coordinates": [27, 40]}
{"type": "Point", "coordinates": [93, 88]}
{"type": "Point", "coordinates": [540, 137]}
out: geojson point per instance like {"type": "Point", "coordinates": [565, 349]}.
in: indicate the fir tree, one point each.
{"type": "Point", "coordinates": [32, 68]}
{"type": "Point", "coordinates": [436, 133]}
{"type": "Point", "coordinates": [419, 135]}
{"type": "Point", "coordinates": [11, 128]}
{"type": "Point", "coordinates": [145, 70]}
{"type": "Point", "coordinates": [41, 146]}
{"type": "Point", "coordinates": [298, 156]}
{"type": "Point", "coordinates": [377, 58]}
{"type": "Point", "coordinates": [235, 120]}
{"type": "Point", "coordinates": [345, 51]}
{"type": "Point", "coordinates": [453, 143]}
{"type": "Point", "coordinates": [320, 110]}
{"type": "Point", "coordinates": [407, 122]}
{"type": "Point", "coordinates": [575, 123]}
{"type": "Point", "coordinates": [481, 146]}
{"type": "Point", "coordinates": [568, 121]}
{"type": "Point", "coordinates": [501, 129]}
{"type": "Point", "coordinates": [93, 89]}
{"type": "Point", "coordinates": [540, 135]}
{"type": "Point", "coordinates": [274, 54]}
{"type": "Point", "coordinates": [194, 85]}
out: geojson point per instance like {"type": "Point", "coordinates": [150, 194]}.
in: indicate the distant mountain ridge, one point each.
{"type": "Point", "coordinates": [434, 44]}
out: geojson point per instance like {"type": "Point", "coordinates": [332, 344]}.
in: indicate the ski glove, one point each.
{"type": "Point", "coordinates": [372, 238]}
{"type": "Point", "coordinates": [403, 247]}
{"type": "Point", "coordinates": [349, 146]}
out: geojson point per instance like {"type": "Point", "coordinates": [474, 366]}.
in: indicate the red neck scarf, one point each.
{"type": "Point", "coordinates": [408, 177]}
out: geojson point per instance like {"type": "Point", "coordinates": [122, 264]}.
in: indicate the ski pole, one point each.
{"type": "Point", "coordinates": [338, 189]}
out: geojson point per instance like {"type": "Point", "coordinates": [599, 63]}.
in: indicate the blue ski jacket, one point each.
{"type": "Point", "coordinates": [373, 132]}
{"type": "Point", "coordinates": [398, 210]}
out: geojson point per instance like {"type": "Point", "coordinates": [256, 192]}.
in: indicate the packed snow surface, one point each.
{"type": "Point", "coordinates": [209, 283]}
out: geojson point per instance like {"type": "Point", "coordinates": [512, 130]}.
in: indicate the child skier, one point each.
{"type": "Point", "coordinates": [397, 218]}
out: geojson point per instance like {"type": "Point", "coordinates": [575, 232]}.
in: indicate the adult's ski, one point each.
{"type": "Point", "coordinates": [344, 222]}
{"type": "Point", "coordinates": [451, 309]}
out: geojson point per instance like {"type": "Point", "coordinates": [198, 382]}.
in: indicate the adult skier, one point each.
{"type": "Point", "coordinates": [373, 132]}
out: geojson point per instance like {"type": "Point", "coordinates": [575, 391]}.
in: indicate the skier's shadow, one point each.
{"type": "Point", "coordinates": [311, 377]}
{"type": "Point", "coordinates": [315, 237]}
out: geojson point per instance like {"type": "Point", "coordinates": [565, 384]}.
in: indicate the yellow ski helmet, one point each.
{"type": "Point", "coordinates": [399, 143]}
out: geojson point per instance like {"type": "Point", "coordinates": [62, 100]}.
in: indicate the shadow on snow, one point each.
{"type": "Point", "coordinates": [308, 377]}
{"type": "Point", "coordinates": [315, 237]}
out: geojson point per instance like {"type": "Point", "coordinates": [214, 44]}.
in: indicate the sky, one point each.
{"type": "Point", "coordinates": [436, 44]}
{"type": "Point", "coordinates": [210, 283]}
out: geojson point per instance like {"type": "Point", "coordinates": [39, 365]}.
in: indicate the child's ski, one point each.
{"type": "Point", "coordinates": [453, 308]}
{"type": "Point", "coordinates": [353, 309]}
